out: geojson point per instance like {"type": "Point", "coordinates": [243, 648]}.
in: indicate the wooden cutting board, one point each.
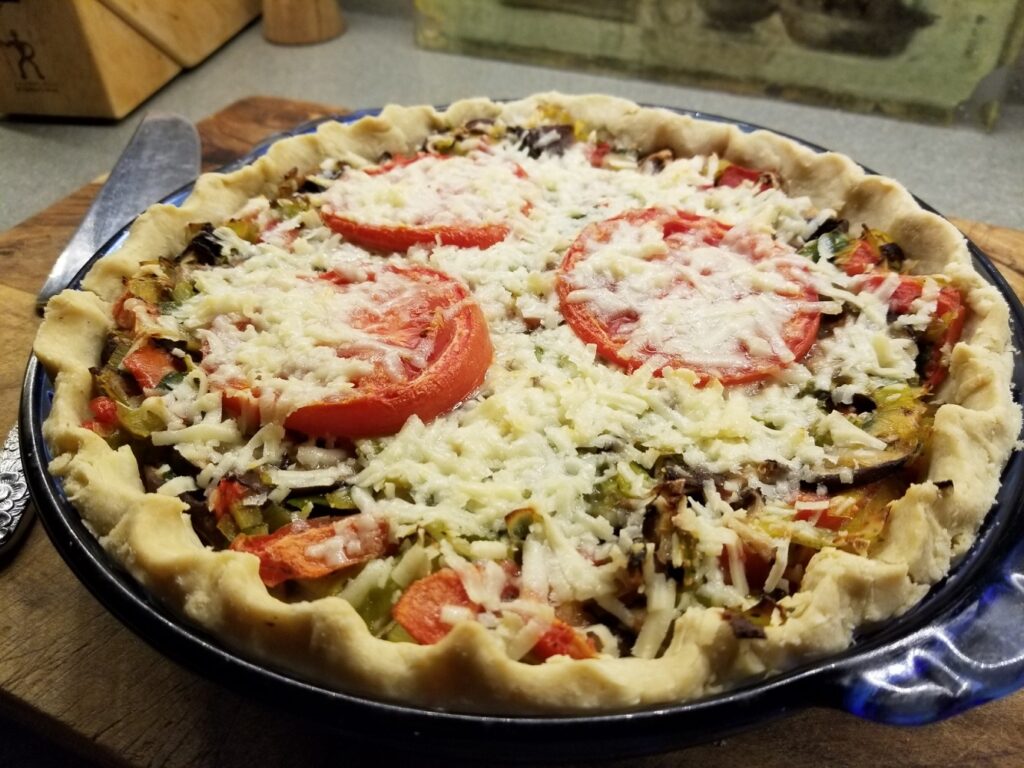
{"type": "Point", "coordinates": [74, 673]}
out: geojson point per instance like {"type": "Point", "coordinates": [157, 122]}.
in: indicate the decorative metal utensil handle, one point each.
{"type": "Point", "coordinates": [15, 511]}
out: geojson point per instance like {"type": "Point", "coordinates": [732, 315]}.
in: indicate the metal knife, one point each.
{"type": "Point", "coordinates": [162, 156]}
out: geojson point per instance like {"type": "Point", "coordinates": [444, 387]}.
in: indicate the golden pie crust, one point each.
{"type": "Point", "coordinates": [325, 640]}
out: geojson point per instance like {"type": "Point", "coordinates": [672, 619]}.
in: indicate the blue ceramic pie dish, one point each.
{"type": "Point", "coordinates": [959, 647]}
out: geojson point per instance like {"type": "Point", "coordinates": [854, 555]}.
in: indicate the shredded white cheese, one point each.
{"type": "Point", "coordinates": [554, 426]}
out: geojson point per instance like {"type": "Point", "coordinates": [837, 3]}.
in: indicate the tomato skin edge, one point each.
{"type": "Point", "coordinates": [398, 238]}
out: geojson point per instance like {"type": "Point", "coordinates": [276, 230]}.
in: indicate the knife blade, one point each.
{"type": "Point", "coordinates": [162, 156]}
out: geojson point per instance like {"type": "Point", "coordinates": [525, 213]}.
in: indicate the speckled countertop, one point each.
{"type": "Point", "coordinates": [960, 170]}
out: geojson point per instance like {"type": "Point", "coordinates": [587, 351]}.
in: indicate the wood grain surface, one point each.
{"type": "Point", "coordinates": [71, 671]}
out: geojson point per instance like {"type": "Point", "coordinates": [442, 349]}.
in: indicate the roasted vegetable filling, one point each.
{"type": "Point", "coordinates": [532, 379]}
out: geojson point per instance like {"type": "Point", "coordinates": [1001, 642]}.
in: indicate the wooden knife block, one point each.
{"type": "Point", "coordinates": [102, 58]}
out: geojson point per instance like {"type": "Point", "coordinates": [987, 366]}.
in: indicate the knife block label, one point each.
{"type": "Point", "coordinates": [28, 69]}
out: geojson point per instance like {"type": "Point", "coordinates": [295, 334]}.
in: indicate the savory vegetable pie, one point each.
{"type": "Point", "coordinates": [561, 404]}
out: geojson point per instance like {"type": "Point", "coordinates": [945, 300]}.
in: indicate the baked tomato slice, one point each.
{"type": "Point", "coordinates": [675, 290]}
{"type": "Point", "coordinates": [421, 612]}
{"type": "Point", "coordinates": [104, 421]}
{"type": "Point", "coordinates": [942, 334]}
{"type": "Point", "coordinates": [149, 364]}
{"type": "Point", "coordinates": [732, 175]}
{"type": "Point", "coordinates": [862, 256]}
{"type": "Point", "coordinates": [755, 564]}
{"type": "Point", "coordinates": [420, 609]}
{"type": "Point", "coordinates": [425, 341]}
{"type": "Point", "coordinates": [228, 493]}
{"type": "Point", "coordinates": [944, 330]}
{"type": "Point", "coordinates": [563, 639]}
{"type": "Point", "coordinates": [309, 549]}
{"type": "Point", "coordinates": [242, 404]}
{"type": "Point", "coordinates": [398, 161]}
{"type": "Point", "coordinates": [817, 510]}
{"type": "Point", "coordinates": [399, 238]}
{"type": "Point", "coordinates": [422, 200]}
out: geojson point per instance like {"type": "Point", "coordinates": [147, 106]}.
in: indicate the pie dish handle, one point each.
{"type": "Point", "coordinates": [972, 653]}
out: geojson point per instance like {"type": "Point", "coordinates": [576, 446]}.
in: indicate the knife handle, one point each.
{"type": "Point", "coordinates": [16, 513]}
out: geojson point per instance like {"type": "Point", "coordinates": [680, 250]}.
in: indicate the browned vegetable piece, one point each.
{"type": "Point", "coordinates": [518, 522]}
{"type": "Point", "coordinates": [750, 623]}
{"type": "Point", "coordinates": [203, 247]}
{"type": "Point", "coordinates": [656, 161]}
{"type": "Point", "coordinates": [901, 419]}
{"type": "Point", "coordinates": [868, 512]}
{"type": "Point", "coordinates": [853, 520]}
{"type": "Point", "coordinates": [150, 287]}
{"type": "Point", "coordinates": [547, 139]}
